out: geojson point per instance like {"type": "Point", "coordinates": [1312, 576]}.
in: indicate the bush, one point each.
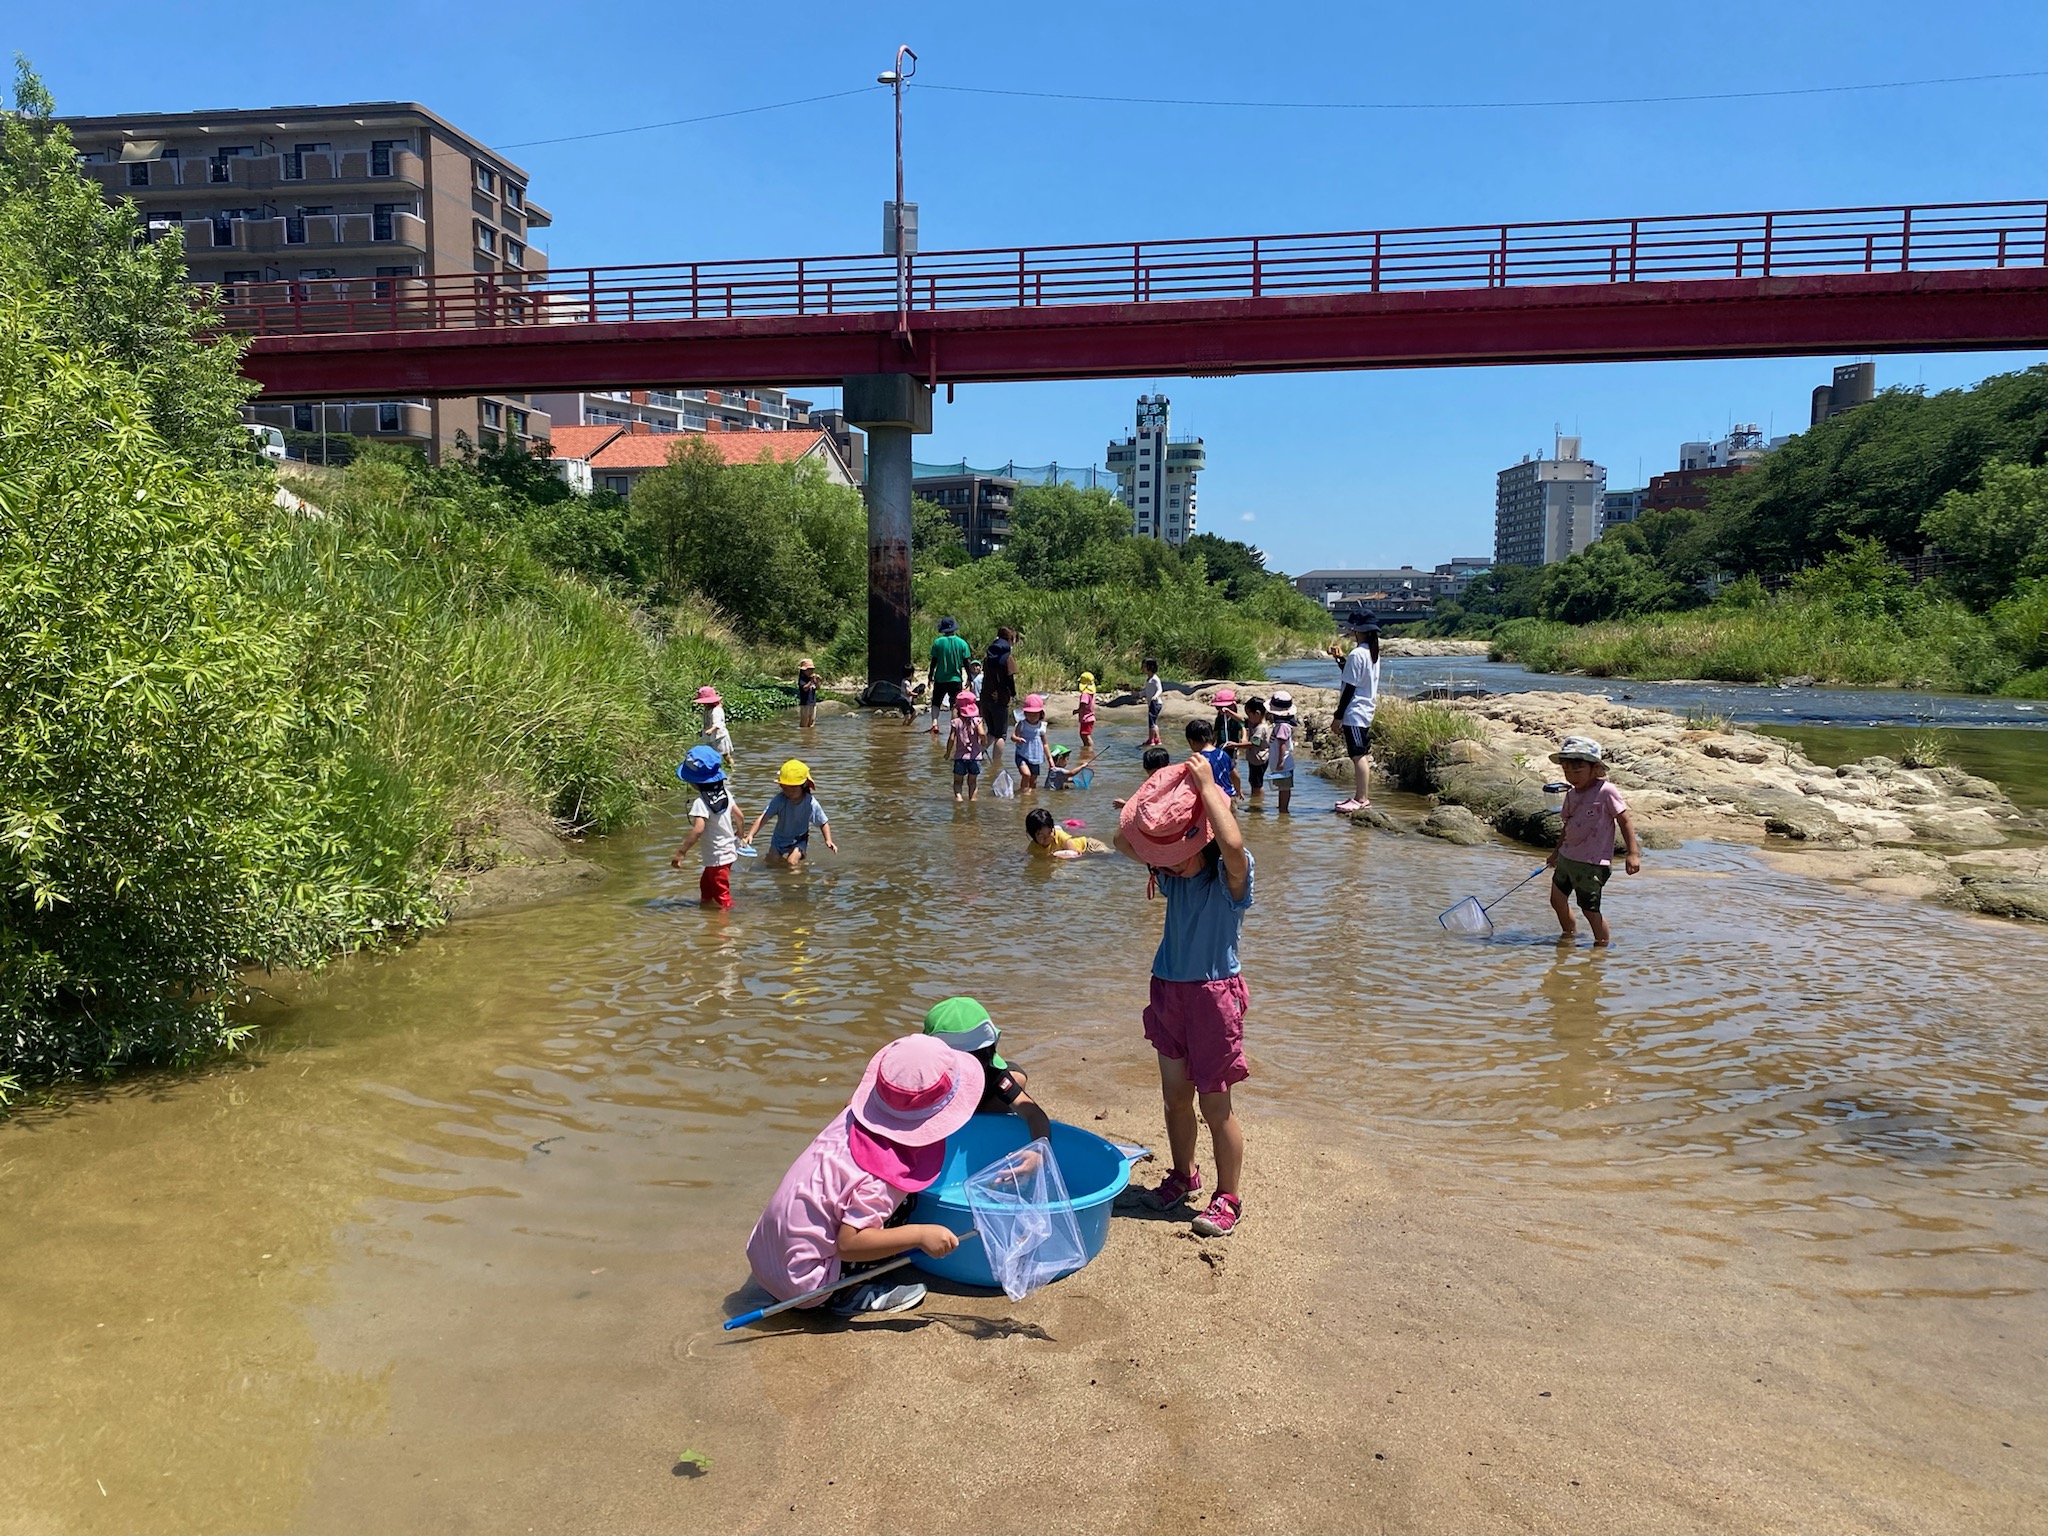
{"type": "Point", "coordinates": [1409, 739]}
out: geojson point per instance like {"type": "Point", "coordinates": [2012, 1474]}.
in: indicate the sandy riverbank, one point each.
{"type": "Point", "coordinates": [1383, 1347]}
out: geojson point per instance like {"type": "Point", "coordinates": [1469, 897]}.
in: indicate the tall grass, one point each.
{"type": "Point", "coordinates": [1408, 739]}
{"type": "Point", "coordinates": [1938, 645]}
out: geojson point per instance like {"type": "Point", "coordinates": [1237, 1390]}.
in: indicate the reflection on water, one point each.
{"type": "Point", "coordinates": [480, 1135]}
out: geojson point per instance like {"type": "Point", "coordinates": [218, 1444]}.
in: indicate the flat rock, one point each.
{"type": "Point", "coordinates": [1454, 824]}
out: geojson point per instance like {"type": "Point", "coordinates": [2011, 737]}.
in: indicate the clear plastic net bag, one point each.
{"type": "Point", "coordinates": [1467, 919]}
{"type": "Point", "coordinates": [1005, 786]}
{"type": "Point", "coordinates": [1026, 1225]}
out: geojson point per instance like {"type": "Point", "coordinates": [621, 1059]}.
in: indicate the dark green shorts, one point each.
{"type": "Point", "coordinates": [1582, 880]}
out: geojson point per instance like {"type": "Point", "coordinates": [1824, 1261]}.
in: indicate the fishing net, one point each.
{"type": "Point", "coordinates": [1026, 1225]}
{"type": "Point", "coordinates": [1467, 919]}
{"type": "Point", "coordinates": [1084, 778]}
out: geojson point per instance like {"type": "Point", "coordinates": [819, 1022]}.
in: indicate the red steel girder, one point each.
{"type": "Point", "coordinates": [1985, 309]}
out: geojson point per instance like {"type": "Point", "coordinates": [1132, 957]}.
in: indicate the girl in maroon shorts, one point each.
{"type": "Point", "coordinates": [1179, 826]}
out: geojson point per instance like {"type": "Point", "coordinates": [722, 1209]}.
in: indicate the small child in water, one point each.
{"type": "Point", "coordinates": [841, 1200]}
{"type": "Point", "coordinates": [714, 818]}
{"type": "Point", "coordinates": [796, 811]}
{"type": "Point", "coordinates": [806, 693]}
{"type": "Point", "coordinates": [966, 1026]}
{"type": "Point", "coordinates": [1085, 714]}
{"type": "Point", "coordinates": [1050, 840]}
{"type": "Point", "coordinates": [1584, 859]}
{"type": "Point", "coordinates": [966, 744]}
{"type": "Point", "coordinates": [1155, 759]}
{"type": "Point", "coordinates": [1280, 746]}
{"type": "Point", "coordinates": [714, 732]}
{"type": "Point", "coordinates": [1030, 739]}
{"type": "Point", "coordinates": [1155, 699]}
{"type": "Point", "coordinates": [1202, 737]}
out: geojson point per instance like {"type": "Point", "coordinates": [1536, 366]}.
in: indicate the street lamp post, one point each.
{"type": "Point", "coordinates": [894, 79]}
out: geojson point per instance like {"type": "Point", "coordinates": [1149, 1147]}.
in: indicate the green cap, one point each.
{"type": "Point", "coordinates": [965, 1025]}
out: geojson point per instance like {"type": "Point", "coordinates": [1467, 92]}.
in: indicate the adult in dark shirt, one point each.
{"type": "Point", "coordinates": [998, 690]}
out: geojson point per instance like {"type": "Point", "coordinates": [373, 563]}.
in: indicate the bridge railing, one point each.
{"type": "Point", "coordinates": [1929, 237]}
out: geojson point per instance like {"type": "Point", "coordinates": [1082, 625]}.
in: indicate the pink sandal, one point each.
{"type": "Point", "coordinates": [1221, 1217]}
{"type": "Point", "coordinates": [1173, 1190]}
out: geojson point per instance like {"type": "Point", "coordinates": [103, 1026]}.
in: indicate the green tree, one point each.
{"type": "Point", "coordinates": [1996, 535]}
{"type": "Point", "coordinates": [109, 291]}
{"type": "Point", "coordinates": [1605, 581]}
{"type": "Point", "coordinates": [934, 537]}
{"type": "Point", "coordinates": [1062, 536]}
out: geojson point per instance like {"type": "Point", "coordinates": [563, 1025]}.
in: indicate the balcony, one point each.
{"type": "Point", "coordinates": [261, 173]}
{"type": "Point", "coordinates": [307, 234]}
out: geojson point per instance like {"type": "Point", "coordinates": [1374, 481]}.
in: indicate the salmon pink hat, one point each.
{"type": "Point", "coordinates": [917, 1091]}
{"type": "Point", "coordinates": [965, 705]}
{"type": "Point", "coordinates": [1034, 701]}
{"type": "Point", "coordinates": [1225, 696]}
{"type": "Point", "coordinates": [1164, 822]}
{"type": "Point", "coordinates": [708, 695]}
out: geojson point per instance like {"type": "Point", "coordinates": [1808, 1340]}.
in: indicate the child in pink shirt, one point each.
{"type": "Point", "coordinates": [834, 1207]}
{"type": "Point", "coordinates": [1584, 860]}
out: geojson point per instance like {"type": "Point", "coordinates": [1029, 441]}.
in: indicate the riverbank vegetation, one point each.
{"type": "Point", "coordinates": [1903, 542]}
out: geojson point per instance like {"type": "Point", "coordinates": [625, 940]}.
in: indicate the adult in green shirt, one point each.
{"type": "Point", "coordinates": [948, 668]}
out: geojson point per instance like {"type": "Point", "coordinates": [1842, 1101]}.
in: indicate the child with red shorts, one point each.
{"type": "Point", "coordinates": [714, 819]}
{"type": "Point", "coordinates": [1179, 825]}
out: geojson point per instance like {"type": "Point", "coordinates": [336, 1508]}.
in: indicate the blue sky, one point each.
{"type": "Point", "coordinates": [1323, 469]}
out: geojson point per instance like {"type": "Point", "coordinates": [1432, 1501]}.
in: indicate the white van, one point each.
{"type": "Point", "coordinates": [269, 440]}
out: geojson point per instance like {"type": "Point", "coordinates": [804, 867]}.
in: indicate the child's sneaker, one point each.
{"type": "Point", "coordinates": [1346, 807]}
{"type": "Point", "coordinates": [875, 1297]}
{"type": "Point", "coordinates": [1221, 1218]}
{"type": "Point", "coordinates": [1173, 1190]}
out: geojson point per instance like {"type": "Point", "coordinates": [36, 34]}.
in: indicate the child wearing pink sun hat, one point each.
{"type": "Point", "coordinates": [715, 735]}
{"type": "Point", "coordinates": [1030, 739]}
{"type": "Point", "coordinates": [1179, 825]}
{"type": "Point", "coordinates": [834, 1207]}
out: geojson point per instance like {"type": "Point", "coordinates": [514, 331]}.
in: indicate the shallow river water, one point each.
{"type": "Point", "coordinates": [220, 1293]}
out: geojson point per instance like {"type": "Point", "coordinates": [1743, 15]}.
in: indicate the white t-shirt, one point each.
{"type": "Point", "coordinates": [1363, 674]}
{"type": "Point", "coordinates": [721, 840]}
{"type": "Point", "coordinates": [1154, 689]}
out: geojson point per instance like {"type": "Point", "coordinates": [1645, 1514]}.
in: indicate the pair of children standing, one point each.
{"type": "Point", "coordinates": [715, 817]}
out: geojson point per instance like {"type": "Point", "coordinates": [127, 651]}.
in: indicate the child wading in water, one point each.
{"type": "Point", "coordinates": [713, 817]}
{"type": "Point", "coordinates": [1030, 739]}
{"type": "Point", "coordinates": [1050, 840]}
{"type": "Point", "coordinates": [714, 732]}
{"type": "Point", "coordinates": [1593, 808]}
{"type": "Point", "coordinates": [966, 1026]}
{"type": "Point", "coordinates": [1258, 746]}
{"type": "Point", "coordinates": [835, 1205]}
{"type": "Point", "coordinates": [966, 744]}
{"type": "Point", "coordinates": [806, 693]}
{"type": "Point", "coordinates": [1155, 698]}
{"type": "Point", "coordinates": [1202, 737]}
{"type": "Point", "coordinates": [796, 810]}
{"type": "Point", "coordinates": [1181, 827]}
{"type": "Point", "coordinates": [1356, 705]}
{"type": "Point", "coordinates": [1155, 760]}
{"type": "Point", "coordinates": [1084, 713]}
{"type": "Point", "coordinates": [1280, 747]}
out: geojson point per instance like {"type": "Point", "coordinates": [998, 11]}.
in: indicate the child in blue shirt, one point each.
{"type": "Point", "coordinates": [1202, 737]}
{"type": "Point", "coordinates": [796, 812]}
{"type": "Point", "coordinates": [1180, 825]}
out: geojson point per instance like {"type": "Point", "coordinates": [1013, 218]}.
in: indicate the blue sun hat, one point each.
{"type": "Point", "coordinates": [702, 766]}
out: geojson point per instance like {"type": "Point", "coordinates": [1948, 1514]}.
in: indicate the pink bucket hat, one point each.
{"type": "Point", "coordinates": [1226, 696]}
{"type": "Point", "coordinates": [916, 1092]}
{"type": "Point", "coordinates": [1033, 701]}
{"type": "Point", "coordinates": [708, 695]}
{"type": "Point", "coordinates": [965, 705]}
{"type": "Point", "coordinates": [1163, 822]}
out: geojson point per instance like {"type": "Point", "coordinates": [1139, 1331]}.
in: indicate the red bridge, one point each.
{"type": "Point", "coordinates": [1939, 277]}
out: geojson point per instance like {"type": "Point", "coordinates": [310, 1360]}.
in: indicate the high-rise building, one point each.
{"type": "Point", "coordinates": [1854, 384]}
{"type": "Point", "coordinates": [1156, 474]}
{"type": "Point", "coordinates": [1547, 509]}
{"type": "Point", "coordinates": [1618, 507]}
{"type": "Point", "coordinates": [316, 205]}
{"type": "Point", "coordinates": [979, 505]}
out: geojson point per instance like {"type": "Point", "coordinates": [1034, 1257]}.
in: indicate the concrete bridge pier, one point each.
{"type": "Point", "coordinates": [891, 408]}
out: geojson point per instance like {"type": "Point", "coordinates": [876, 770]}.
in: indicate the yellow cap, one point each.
{"type": "Point", "coordinates": [795, 772]}
{"type": "Point", "coordinates": [1088, 680]}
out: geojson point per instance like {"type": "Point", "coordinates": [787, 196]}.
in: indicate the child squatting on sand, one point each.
{"type": "Point", "coordinates": [835, 1206]}
{"type": "Point", "coordinates": [1584, 859]}
{"type": "Point", "coordinates": [1179, 825]}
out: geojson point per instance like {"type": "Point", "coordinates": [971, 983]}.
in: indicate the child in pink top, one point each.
{"type": "Point", "coordinates": [1584, 860]}
{"type": "Point", "coordinates": [834, 1206]}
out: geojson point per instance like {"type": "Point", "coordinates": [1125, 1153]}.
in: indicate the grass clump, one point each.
{"type": "Point", "coordinates": [1410, 738]}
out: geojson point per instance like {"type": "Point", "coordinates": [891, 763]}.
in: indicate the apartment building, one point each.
{"type": "Point", "coordinates": [979, 505]}
{"type": "Point", "coordinates": [1156, 473]}
{"type": "Point", "coordinates": [1547, 509]}
{"type": "Point", "coordinates": [752, 408]}
{"type": "Point", "coordinates": [320, 204]}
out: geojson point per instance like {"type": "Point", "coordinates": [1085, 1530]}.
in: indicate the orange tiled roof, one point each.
{"type": "Point", "coordinates": [581, 442]}
{"type": "Point", "coordinates": [651, 450]}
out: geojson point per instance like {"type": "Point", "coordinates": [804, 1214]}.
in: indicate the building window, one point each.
{"type": "Point", "coordinates": [387, 417]}
{"type": "Point", "coordinates": [486, 239]}
{"type": "Point", "coordinates": [616, 484]}
{"type": "Point", "coordinates": [384, 222]}
{"type": "Point", "coordinates": [302, 418]}
{"type": "Point", "coordinates": [494, 414]}
{"type": "Point", "coordinates": [486, 179]}
{"type": "Point", "coordinates": [384, 290]}
{"type": "Point", "coordinates": [515, 195]}
{"type": "Point", "coordinates": [515, 253]}
{"type": "Point", "coordinates": [138, 174]}
{"type": "Point", "coordinates": [380, 154]}
{"type": "Point", "coordinates": [519, 420]}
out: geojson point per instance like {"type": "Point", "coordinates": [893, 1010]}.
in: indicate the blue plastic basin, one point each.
{"type": "Point", "coordinates": [1095, 1172]}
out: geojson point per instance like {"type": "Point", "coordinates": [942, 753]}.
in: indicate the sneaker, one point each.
{"type": "Point", "coordinates": [1221, 1218]}
{"type": "Point", "coordinates": [1173, 1190]}
{"type": "Point", "coordinates": [875, 1298]}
